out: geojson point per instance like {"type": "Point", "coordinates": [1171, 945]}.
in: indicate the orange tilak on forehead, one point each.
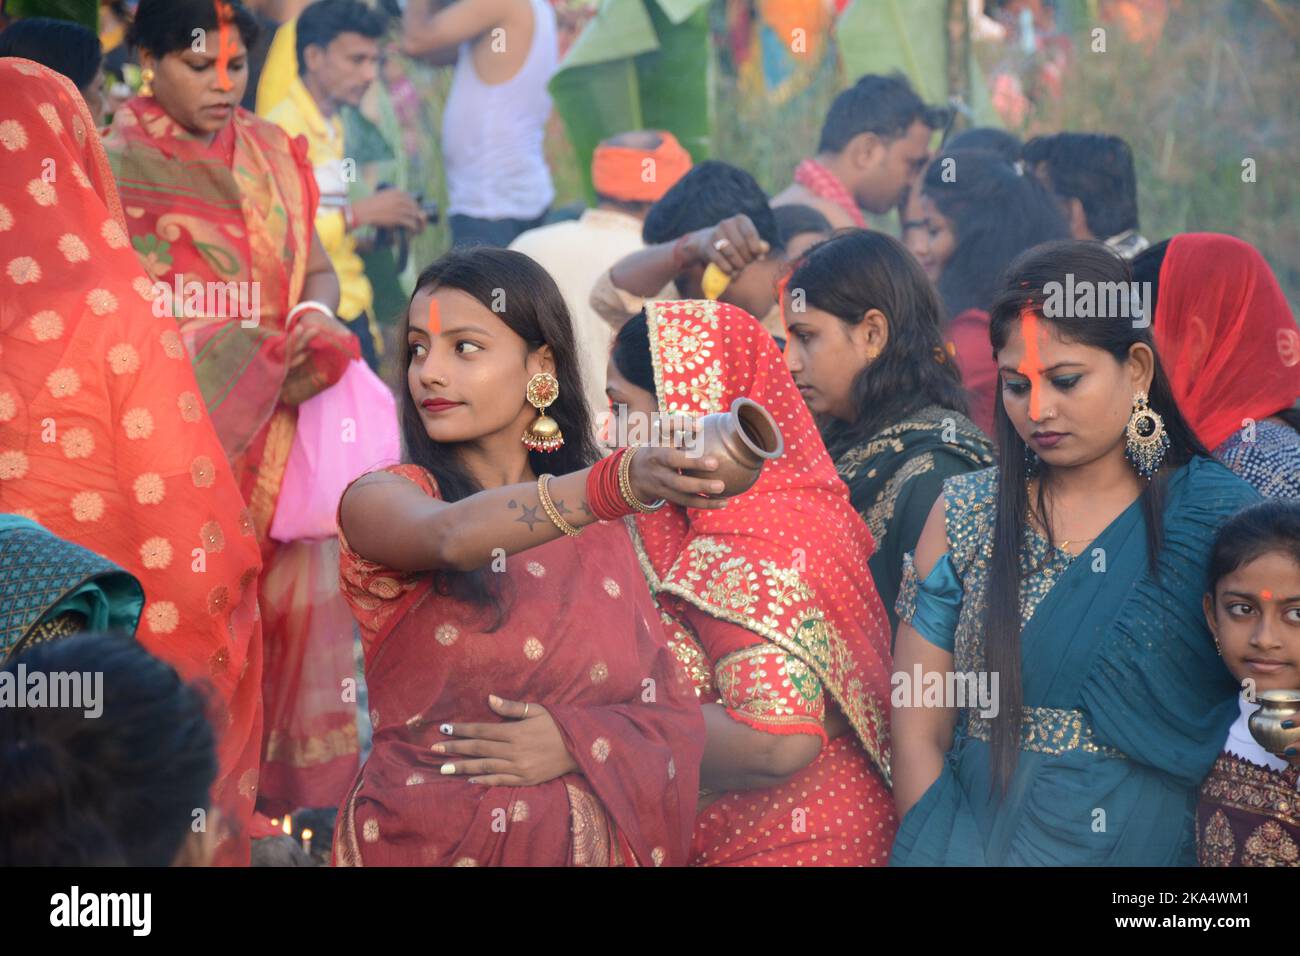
{"type": "Point", "coordinates": [1031, 365]}
{"type": "Point", "coordinates": [225, 43]}
{"type": "Point", "coordinates": [435, 320]}
{"type": "Point", "coordinates": [1266, 594]}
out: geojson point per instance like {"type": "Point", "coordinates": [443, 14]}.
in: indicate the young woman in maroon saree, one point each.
{"type": "Point", "coordinates": [527, 709]}
{"type": "Point", "coordinates": [770, 605]}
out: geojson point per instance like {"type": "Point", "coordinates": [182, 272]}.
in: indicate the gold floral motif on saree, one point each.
{"type": "Point", "coordinates": [1251, 791]}
{"type": "Point", "coordinates": [881, 511]}
{"type": "Point", "coordinates": [682, 344]}
{"type": "Point", "coordinates": [589, 827]}
{"type": "Point", "coordinates": [793, 622]}
{"type": "Point", "coordinates": [1216, 845]}
{"type": "Point", "coordinates": [1270, 845]}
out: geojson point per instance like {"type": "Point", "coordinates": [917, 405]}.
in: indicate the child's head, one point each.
{"type": "Point", "coordinates": [113, 779]}
{"type": "Point", "coordinates": [1253, 605]}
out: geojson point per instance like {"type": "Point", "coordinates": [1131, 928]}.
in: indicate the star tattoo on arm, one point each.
{"type": "Point", "coordinates": [529, 517]}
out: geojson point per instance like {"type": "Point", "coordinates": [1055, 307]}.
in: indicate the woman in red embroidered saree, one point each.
{"type": "Point", "coordinates": [103, 438]}
{"type": "Point", "coordinates": [770, 607]}
{"type": "Point", "coordinates": [220, 206]}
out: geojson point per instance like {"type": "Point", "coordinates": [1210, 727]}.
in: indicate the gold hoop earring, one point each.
{"type": "Point", "coordinates": [1145, 440]}
{"type": "Point", "coordinates": [544, 433]}
{"type": "Point", "coordinates": [146, 81]}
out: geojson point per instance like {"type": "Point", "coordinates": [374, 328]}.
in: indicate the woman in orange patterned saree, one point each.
{"type": "Point", "coordinates": [103, 438]}
{"type": "Point", "coordinates": [220, 205]}
{"type": "Point", "coordinates": [770, 606]}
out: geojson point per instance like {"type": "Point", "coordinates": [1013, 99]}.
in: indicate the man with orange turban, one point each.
{"type": "Point", "coordinates": [630, 172]}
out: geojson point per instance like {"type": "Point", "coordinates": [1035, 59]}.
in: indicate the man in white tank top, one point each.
{"type": "Point", "coordinates": [505, 52]}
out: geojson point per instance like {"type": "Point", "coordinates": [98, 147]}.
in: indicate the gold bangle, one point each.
{"type": "Point", "coordinates": [549, 507]}
{"type": "Point", "coordinates": [625, 486]}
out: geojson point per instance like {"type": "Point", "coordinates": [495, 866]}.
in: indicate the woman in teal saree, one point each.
{"type": "Point", "coordinates": [1110, 703]}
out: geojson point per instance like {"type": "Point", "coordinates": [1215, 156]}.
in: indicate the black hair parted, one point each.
{"type": "Point", "coordinates": [1097, 170]}
{"type": "Point", "coordinates": [121, 788]}
{"type": "Point", "coordinates": [858, 270]}
{"type": "Point", "coordinates": [1268, 526]}
{"type": "Point", "coordinates": [324, 20]}
{"type": "Point", "coordinates": [1024, 288]}
{"type": "Point", "coordinates": [536, 312]}
{"type": "Point", "coordinates": [884, 105]}
{"type": "Point", "coordinates": [711, 192]}
{"type": "Point", "coordinates": [63, 46]}
{"type": "Point", "coordinates": [166, 26]}
{"type": "Point", "coordinates": [997, 212]}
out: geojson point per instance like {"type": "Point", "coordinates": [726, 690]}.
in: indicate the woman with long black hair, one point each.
{"type": "Point", "coordinates": [1067, 583]}
{"type": "Point", "coordinates": [527, 709]}
{"type": "Point", "coordinates": [866, 351]}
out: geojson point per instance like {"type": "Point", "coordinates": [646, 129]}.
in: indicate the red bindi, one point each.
{"type": "Point", "coordinates": [1266, 594]}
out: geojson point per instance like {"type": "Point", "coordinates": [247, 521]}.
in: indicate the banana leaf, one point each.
{"type": "Point", "coordinates": [881, 36]}
{"type": "Point", "coordinates": [638, 64]}
{"type": "Point", "coordinates": [85, 12]}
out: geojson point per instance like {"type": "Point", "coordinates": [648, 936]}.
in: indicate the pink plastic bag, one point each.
{"type": "Point", "coordinates": [344, 432]}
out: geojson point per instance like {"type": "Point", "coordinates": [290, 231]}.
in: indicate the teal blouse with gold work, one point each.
{"type": "Point", "coordinates": [1126, 702]}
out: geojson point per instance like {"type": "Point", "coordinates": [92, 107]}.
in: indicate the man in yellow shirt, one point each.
{"type": "Point", "coordinates": [338, 58]}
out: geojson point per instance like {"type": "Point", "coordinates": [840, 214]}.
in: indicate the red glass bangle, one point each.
{"type": "Point", "coordinates": [603, 496]}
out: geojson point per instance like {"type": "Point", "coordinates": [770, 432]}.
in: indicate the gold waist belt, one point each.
{"type": "Point", "coordinates": [1046, 730]}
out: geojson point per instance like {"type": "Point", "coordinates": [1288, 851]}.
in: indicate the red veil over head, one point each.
{"type": "Point", "coordinates": [1225, 334]}
{"type": "Point", "coordinates": [787, 560]}
{"type": "Point", "coordinates": [104, 438]}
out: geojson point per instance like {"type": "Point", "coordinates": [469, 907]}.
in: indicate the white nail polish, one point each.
{"type": "Point", "coordinates": [447, 769]}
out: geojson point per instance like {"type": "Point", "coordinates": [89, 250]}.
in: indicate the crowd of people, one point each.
{"type": "Point", "coordinates": [1008, 594]}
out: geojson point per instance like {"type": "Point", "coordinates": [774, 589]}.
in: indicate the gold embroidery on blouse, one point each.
{"type": "Point", "coordinates": [764, 683]}
{"type": "Point", "coordinates": [806, 634]}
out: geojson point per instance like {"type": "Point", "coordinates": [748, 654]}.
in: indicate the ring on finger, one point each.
{"type": "Point", "coordinates": [720, 244]}
{"type": "Point", "coordinates": [525, 708]}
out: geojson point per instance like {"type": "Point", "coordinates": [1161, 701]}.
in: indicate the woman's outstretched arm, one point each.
{"type": "Point", "coordinates": [390, 521]}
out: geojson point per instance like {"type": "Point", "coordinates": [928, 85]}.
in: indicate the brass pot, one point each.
{"type": "Point", "coordinates": [1266, 723]}
{"type": "Point", "coordinates": [741, 440]}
